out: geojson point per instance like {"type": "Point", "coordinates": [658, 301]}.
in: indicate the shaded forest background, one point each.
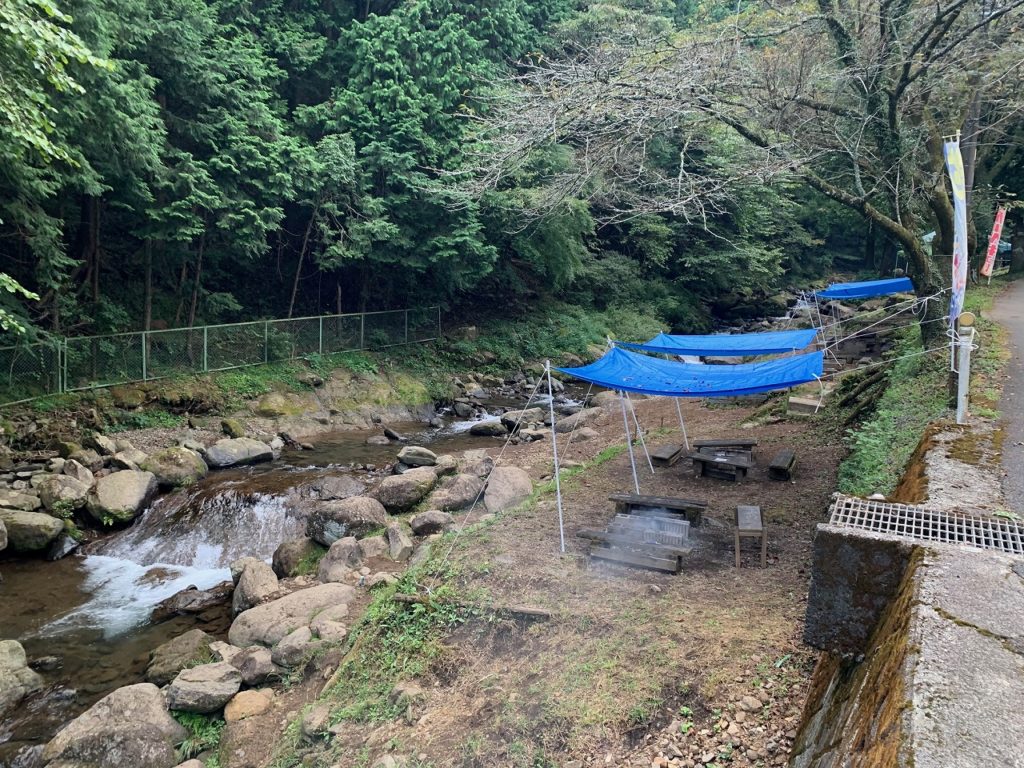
{"type": "Point", "coordinates": [166, 163]}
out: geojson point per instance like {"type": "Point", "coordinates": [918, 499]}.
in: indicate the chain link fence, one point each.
{"type": "Point", "coordinates": [36, 370]}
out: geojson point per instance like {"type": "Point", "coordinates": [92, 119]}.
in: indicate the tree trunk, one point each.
{"type": "Point", "coordinates": [147, 303]}
{"type": "Point", "coordinates": [298, 265]}
{"type": "Point", "coordinates": [195, 282]}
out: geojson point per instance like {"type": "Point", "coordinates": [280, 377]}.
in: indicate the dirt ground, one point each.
{"type": "Point", "coordinates": [634, 667]}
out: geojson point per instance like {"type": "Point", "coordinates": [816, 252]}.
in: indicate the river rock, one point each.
{"type": "Point", "coordinates": [129, 727]}
{"type": "Point", "coordinates": [17, 680]}
{"type": "Point", "coordinates": [333, 520]}
{"type": "Point", "coordinates": [584, 418]}
{"type": "Point", "coordinates": [30, 531]}
{"type": "Point", "coordinates": [583, 434]}
{"type": "Point", "coordinates": [174, 467]}
{"type": "Point", "coordinates": [205, 688]}
{"type": "Point", "coordinates": [507, 487]}
{"type": "Point", "coordinates": [232, 428]}
{"type": "Point", "coordinates": [25, 502]}
{"type": "Point", "coordinates": [609, 400]}
{"type": "Point", "coordinates": [268, 623]}
{"type": "Point", "coordinates": [236, 451]}
{"type": "Point", "coordinates": [455, 493]}
{"type": "Point", "coordinates": [257, 582]}
{"type": "Point", "coordinates": [256, 665]}
{"type": "Point", "coordinates": [102, 444]}
{"type": "Point", "coordinates": [81, 473]}
{"type": "Point", "coordinates": [62, 493]}
{"type": "Point", "coordinates": [515, 419]}
{"type": "Point", "coordinates": [88, 458]}
{"type": "Point", "coordinates": [342, 557]}
{"type": "Point", "coordinates": [130, 458]}
{"type": "Point", "coordinates": [423, 551]}
{"type": "Point", "coordinates": [237, 567]}
{"type": "Point", "coordinates": [477, 463]}
{"type": "Point", "coordinates": [168, 659]}
{"type": "Point", "coordinates": [446, 464]}
{"type": "Point", "coordinates": [378, 440]}
{"type": "Point", "coordinates": [65, 448]}
{"type": "Point", "coordinates": [191, 764]}
{"type": "Point", "coordinates": [417, 456]}
{"type": "Point", "coordinates": [399, 543]}
{"type": "Point", "coordinates": [432, 521]}
{"type": "Point", "coordinates": [339, 487]}
{"type": "Point", "coordinates": [291, 556]}
{"type": "Point", "coordinates": [373, 546]}
{"type": "Point", "coordinates": [291, 651]}
{"type": "Point", "coordinates": [222, 651]}
{"type": "Point", "coordinates": [274, 404]}
{"type": "Point", "coordinates": [192, 601]}
{"type": "Point", "coordinates": [316, 722]}
{"type": "Point", "coordinates": [400, 492]}
{"type": "Point", "coordinates": [120, 496]}
{"type": "Point", "coordinates": [3, 536]}
{"type": "Point", "coordinates": [246, 704]}
{"type": "Point", "coordinates": [488, 428]}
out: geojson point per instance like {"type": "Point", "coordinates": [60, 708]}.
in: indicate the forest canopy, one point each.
{"type": "Point", "coordinates": [173, 163]}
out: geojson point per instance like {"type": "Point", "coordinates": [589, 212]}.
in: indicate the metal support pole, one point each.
{"type": "Point", "coordinates": [966, 342]}
{"type": "Point", "coordinates": [266, 341]}
{"type": "Point", "coordinates": [321, 335]}
{"type": "Point", "coordinates": [554, 451]}
{"type": "Point", "coordinates": [407, 333]}
{"type": "Point", "coordinates": [206, 349]}
{"type": "Point", "coordinates": [362, 331]}
{"type": "Point", "coordinates": [145, 355]}
{"type": "Point", "coordinates": [640, 433]}
{"type": "Point", "coordinates": [64, 364]}
{"type": "Point", "coordinates": [682, 424]}
{"type": "Point", "coordinates": [629, 443]}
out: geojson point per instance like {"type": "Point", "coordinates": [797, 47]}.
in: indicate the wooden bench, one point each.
{"type": "Point", "coordinates": [647, 542]}
{"type": "Point", "coordinates": [690, 509]}
{"type": "Point", "coordinates": [737, 442]}
{"type": "Point", "coordinates": [724, 466]}
{"type": "Point", "coordinates": [667, 455]}
{"type": "Point", "coordinates": [782, 465]}
{"type": "Point", "coordinates": [749, 524]}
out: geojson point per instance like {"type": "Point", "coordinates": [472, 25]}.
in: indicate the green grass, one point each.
{"type": "Point", "coordinates": [204, 733]}
{"type": "Point", "coordinates": [311, 562]}
{"type": "Point", "coordinates": [122, 421]}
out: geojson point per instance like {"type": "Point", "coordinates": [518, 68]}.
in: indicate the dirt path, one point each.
{"type": "Point", "coordinates": [1009, 312]}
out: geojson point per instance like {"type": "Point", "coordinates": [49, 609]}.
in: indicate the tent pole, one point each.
{"type": "Point", "coordinates": [554, 451]}
{"type": "Point", "coordinates": [682, 424]}
{"type": "Point", "coordinates": [629, 443]}
{"type": "Point", "coordinates": [640, 433]}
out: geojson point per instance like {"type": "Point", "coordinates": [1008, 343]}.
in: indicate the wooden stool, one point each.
{"type": "Point", "coordinates": [782, 465]}
{"type": "Point", "coordinates": [750, 525]}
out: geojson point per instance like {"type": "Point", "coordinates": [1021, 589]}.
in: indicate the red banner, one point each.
{"type": "Point", "coordinates": [993, 243]}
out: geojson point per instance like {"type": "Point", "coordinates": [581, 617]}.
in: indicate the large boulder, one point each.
{"type": "Point", "coordinates": [30, 531]}
{"type": "Point", "coordinates": [3, 536]}
{"type": "Point", "coordinates": [232, 428]}
{"type": "Point", "coordinates": [25, 502]}
{"type": "Point", "coordinates": [432, 521]}
{"type": "Point", "coordinates": [274, 404]}
{"type": "Point", "coordinates": [205, 688]}
{"type": "Point", "coordinates": [455, 493]}
{"type": "Point", "coordinates": [342, 557]}
{"type": "Point", "coordinates": [102, 444]}
{"type": "Point", "coordinates": [174, 467]}
{"type": "Point", "coordinates": [257, 582]}
{"type": "Point", "coordinates": [295, 646]}
{"type": "Point", "coordinates": [129, 727]}
{"type": "Point", "coordinates": [235, 451]}
{"type": "Point", "coordinates": [183, 651]}
{"type": "Point", "coordinates": [609, 400]}
{"type": "Point", "coordinates": [120, 496]}
{"type": "Point", "coordinates": [295, 557]}
{"type": "Point", "coordinates": [333, 520]}
{"type": "Point", "coordinates": [399, 543]}
{"type": "Point", "coordinates": [267, 624]}
{"type": "Point", "coordinates": [489, 428]}
{"type": "Point", "coordinates": [400, 492]}
{"type": "Point", "coordinates": [337, 487]}
{"type": "Point", "coordinates": [76, 470]}
{"type": "Point", "coordinates": [417, 456]}
{"type": "Point", "coordinates": [256, 665]}
{"type": "Point", "coordinates": [88, 458]}
{"type": "Point", "coordinates": [16, 679]}
{"type": "Point", "coordinates": [516, 419]}
{"type": "Point", "coordinates": [507, 487]}
{"type": "Point", "coordinates": [62, 493]}
{"type": "Point", "coordinates": [586, 417]}
{"type": "Point", "coordinates": [130, 458]}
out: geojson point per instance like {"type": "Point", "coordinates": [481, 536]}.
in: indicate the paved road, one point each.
{"type": "Point", "coordinates": [1009, 311]}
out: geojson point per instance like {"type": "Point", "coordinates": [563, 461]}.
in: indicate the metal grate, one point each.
{"type": "Point", "coordinates": [922, 524]}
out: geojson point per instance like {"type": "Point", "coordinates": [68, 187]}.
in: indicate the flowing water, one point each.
{"type": "Point", "coordinates": [90, 612]}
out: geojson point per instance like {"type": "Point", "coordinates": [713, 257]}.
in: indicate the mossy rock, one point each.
{"type": "Point", "coordinates": [232, 428]}
{"type": "Point", "coordinates": [128, 397]}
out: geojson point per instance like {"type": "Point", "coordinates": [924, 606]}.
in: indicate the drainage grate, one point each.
{"type": "Point", "coordinates": [923, 524]}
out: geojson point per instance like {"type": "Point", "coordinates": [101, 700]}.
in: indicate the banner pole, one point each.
{"type": "Point", "coordinates": [554, 451]}
{"type": "Point", "coordinates": [629, 443]}
{"type": "Point", "coordinates": [682, 424]}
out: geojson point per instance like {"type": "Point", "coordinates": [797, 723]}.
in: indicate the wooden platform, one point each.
{"type": "Point", "coordinates": [749, 524]}
{"type": "Point", "coordinates": [688, 509]}
{"type": "Point", "coordinates": [736, 442]}
{"type": "Point", "coordinates": [667, 455]}
{"type": "Point", "coordinates": [725, 467]}
{"type": "Point", "coordinates": [782, 465]}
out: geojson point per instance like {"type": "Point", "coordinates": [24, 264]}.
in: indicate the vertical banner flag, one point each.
{"type": "Point", "coordinates": [993, 243]}
{"type": "Point", "coordinates": [955, 166]}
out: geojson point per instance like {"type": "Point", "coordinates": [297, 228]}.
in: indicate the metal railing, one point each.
{"type": "Point", "coordinates": [31, 371]}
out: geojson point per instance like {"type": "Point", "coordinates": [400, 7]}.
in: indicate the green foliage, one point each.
{"type": "Point", "coordinates": [204, 733]}
{"type": "Point", "coordinates": [122, 421]}
{"type": "Point", "coordinates": [310, 562]}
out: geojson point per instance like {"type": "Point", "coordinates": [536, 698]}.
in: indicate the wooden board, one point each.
{"type": "Point", "coordinates": [748, 519]}
{"type": "Point", "coordinates": [667, 455]}
{"type": "Point", "coordinates": [737, 442]}
{"type": "Point", "coordinates": [633, 543]}
{"type": "Point", "coordinates": [736, 462]}
{"type": "Point", "coordinates": [666, 565]}
{"type": "Point", "coordinates": [782, 465]}
{"type": "Point", "coordinates": [654, 502]}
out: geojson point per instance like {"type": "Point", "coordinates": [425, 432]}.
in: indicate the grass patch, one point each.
{"type": "Point", "coordinates": [122, 421]}
{"type": "Point", "coordinates": [311, 561]}
{"type": "Point", "coordinates": [204, 733]}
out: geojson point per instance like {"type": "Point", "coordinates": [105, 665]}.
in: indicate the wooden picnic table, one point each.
{"type": "Point", "coordinates": [735, 442]}
{"type": "Point", "coordinates": [726, 467]}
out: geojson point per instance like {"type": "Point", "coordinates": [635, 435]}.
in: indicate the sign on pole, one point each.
{"type": "Point", "coordinates": [955, 166]}
{"type": "Point", "coordinates": [993, 243]}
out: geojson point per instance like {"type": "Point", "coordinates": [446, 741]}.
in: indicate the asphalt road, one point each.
{"type": "Point", "coordinates": [1009, 312]}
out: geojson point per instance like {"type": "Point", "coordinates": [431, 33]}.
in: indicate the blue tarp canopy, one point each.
{"type": "Point", "coordinates": [632, 372]}
{"type": "Point", "coordinates": [866, 290]}
{"type": "Point", "coordinates": [728, 344]}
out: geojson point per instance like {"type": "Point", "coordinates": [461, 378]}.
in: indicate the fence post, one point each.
{"type": "Point", "coordinates": [407, 326]}
{"type": "Point", "coordinates": [362, 330]}
{"type": "Point", "coordinates": [145, 355]}
{"type": "Point", "coordinates": [64, 377]}
{"type": "Point", "coordinates": [206, 348]}
{"type": "Point", "coordinates": [964, 345]}
{"type": "Point", "coordinates": [266, 341]}
{"type": "Point", "coordinates": [321, 335]}
{"type": "Point", "coordinates": [438, 334]}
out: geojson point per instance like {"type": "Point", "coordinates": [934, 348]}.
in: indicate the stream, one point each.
{"type": "Point", "coordinates": [88, 615]}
